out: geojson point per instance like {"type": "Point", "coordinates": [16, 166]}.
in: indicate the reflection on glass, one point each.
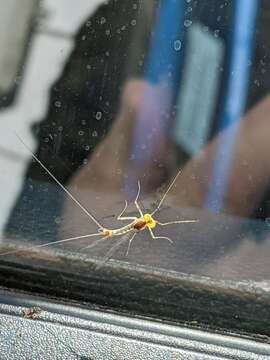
{"type": "Point", "coordinates": [137, 91]}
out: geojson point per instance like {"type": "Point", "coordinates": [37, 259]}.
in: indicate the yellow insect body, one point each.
{"type": "Point", "coordinates": [150, 222]}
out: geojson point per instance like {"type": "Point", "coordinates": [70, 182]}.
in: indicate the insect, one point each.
{"type": "Point", "coordinates": [144, 221]}
{"type": "Point", "coordinates": [32, 313]}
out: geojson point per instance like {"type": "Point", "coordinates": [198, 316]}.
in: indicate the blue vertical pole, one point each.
{"type": "Point", "coordinates": [237, 91]}
{"type": "Point", "coordinates": [163, 68]}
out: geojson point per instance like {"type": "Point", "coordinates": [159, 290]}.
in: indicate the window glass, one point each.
{"type": "Point", "coordinates": [137, 131]}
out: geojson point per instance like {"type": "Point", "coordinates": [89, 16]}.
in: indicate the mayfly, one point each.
{"type": "Point", "coordinates": [145, 221]}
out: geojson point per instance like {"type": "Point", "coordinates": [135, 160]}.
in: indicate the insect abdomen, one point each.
{"type": "Point", "coordinates": [137, 225]}
{"type": "Point", "coordinates": [123, 230]}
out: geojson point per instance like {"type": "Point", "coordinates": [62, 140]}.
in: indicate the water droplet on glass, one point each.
{"type": "Point", "coordinates": [84, 37]}
{"type": "Point", "coordinates": [102, 20]}
{"type": "Point", "coordinates": [17, 80]}
{"type": "Point", "coordinates": [81, 133]}
{"type": "Point", "coordinates": [187, 23]}
{"type": "Point", "coordinates": [85, 161]}
{"type": "Point", "coordinates": [58, 104]}
{"type": "Point", "coordinates": [133, 22]}
{"type": "Point", "coordinates": [87, 147]}
{"type": "Point", "coordinates": [57, 220]}
{"type": "Point", "coordinates": [177, 45]}
{"type": "Point", "coordinates": [107, 32]}
{"type": "Point", "coordinates": [267, 221]}
{"type": "Point", "coordinates": [60, 128]}
{"type": "Point", "coordinates": [216, 33]}
{"type": "Point", "coordinates": [94, 133]}
{"type": "Point", "coordinates": [98, 115]}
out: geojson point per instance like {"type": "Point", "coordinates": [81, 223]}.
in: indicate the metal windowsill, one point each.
{"type": "Point", "coordinates": [62, 331]}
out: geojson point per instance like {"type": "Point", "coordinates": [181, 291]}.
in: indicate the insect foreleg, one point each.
{"type": "Point", "coordinates": [120, 217]}
{"type": "Point", "coordinates": [136, 199]}
{"type": "Point", "coordinates": [176, 222]}
{"type": "Point", "coordinates": [159, 237]}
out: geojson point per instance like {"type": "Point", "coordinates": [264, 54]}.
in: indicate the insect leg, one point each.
{"type": "Point", "coordinates": [129, 243]}
{"type": "Point", "coordinates": [176, 222]}
{"type": "Point", "coordinates": [120, 217]}
{"type": "Point", "coordinates": [136, 199]}
{"type": "Point", "coordinates": [159, 237]}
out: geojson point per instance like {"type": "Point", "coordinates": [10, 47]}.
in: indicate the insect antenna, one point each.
{"type": "Point", "coordinates": [92, 217]}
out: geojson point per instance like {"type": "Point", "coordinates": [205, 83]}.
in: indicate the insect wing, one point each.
{"type": "Point", "coordinates": [118, 243]}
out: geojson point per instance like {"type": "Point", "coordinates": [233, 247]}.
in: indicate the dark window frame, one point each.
{"type": "Point", "coordinates": [220, 305]}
